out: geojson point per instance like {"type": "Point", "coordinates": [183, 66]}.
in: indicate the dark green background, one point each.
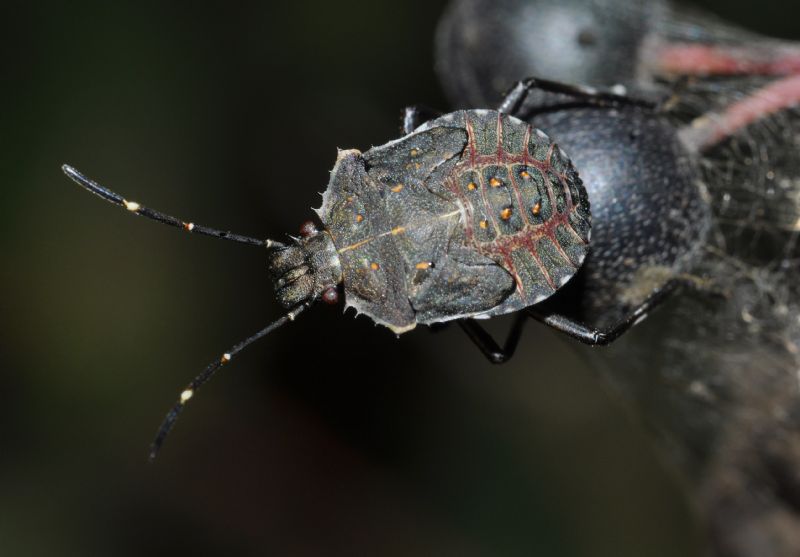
{"type": "Point", "coordinates": [231, 116]}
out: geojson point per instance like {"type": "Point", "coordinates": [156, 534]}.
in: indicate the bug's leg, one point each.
{"type": "Point", "coordinates": [582, 332]}
{"type": "Point", "coordinates": [486, 343]}
{"type": "Point", "coordinates": [533, 95]}
{"type": "Point", "coordinates": [603, 336]}
{"type": "Point", "coordinates": [415, 116]}
{"type": "Point", "coordinates": [590, 335]}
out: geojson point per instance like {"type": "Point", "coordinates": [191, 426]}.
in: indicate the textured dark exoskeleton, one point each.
{"type": "Point", "coordinates": [473, 214]}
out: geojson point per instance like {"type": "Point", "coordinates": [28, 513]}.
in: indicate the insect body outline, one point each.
{"type": "Point", "coordinates": [396, 214]}
{"type": "Point", "coordinates": [473, 214]}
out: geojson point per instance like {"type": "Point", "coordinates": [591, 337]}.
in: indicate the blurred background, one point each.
{"type": "Point", "coordinates": [332, 437]}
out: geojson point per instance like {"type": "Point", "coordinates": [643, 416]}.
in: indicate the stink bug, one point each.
{"type": "Point", "coordinates": [471, 215]}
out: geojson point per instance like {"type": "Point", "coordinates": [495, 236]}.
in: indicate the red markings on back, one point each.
{"type": "Point", "coordinates": [471, 141]}
{"type": "Point", "coordinates": [503, 245]}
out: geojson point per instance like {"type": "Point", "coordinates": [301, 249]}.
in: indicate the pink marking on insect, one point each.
{"type": "Point", "coordinates": [689, 59]}
{"type": "Point", "coordinates": [518, 197]}
{"type": "Point", "coordinates": [535, 254]}
{"type": "Point", "coordinates": [711, 129]}
{"type": "Point", "coordinates": [471, 141]}
{"type": "Point", "coordinates": [509, 266]}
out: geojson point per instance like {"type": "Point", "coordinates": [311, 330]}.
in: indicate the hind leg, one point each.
{"type": "Point", "coordinates": [488, 345]}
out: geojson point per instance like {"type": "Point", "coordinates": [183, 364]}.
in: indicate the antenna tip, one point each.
{"type": "Point", "coordinates": [71, 172]}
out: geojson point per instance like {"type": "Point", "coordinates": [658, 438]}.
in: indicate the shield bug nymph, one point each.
{"type": "Point", "coordinates": [472, 215]}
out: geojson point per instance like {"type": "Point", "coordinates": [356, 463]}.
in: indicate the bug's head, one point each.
{"type": "Point", "coordinates": [306, 269]}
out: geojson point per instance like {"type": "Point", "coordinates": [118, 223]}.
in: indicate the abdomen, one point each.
{"type": "Point", "coordinates": [525, 205]}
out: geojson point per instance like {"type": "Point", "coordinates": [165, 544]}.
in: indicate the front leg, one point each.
{"type": "Point", "coordinates": [533, 95]}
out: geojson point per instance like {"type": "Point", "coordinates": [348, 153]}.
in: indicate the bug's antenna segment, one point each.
{"type": "Point", "coordinates": [136, 208]}
{"type": "Point", "coordinates": [208, 373]}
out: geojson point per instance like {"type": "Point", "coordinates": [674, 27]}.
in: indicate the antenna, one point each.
{"type": "Point", "coordinates": [136, 208]}
{"type": "Point", "coordinates": [208, 373]}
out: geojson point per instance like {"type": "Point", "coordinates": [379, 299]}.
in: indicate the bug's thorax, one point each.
{"type": "Point", "coordinates": [307, 269]}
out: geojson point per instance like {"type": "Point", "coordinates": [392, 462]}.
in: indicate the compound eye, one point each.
{"type": "Point", "coordinates": [331, 296]}
{"type": "Point", "coordinates": [307, 229]}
